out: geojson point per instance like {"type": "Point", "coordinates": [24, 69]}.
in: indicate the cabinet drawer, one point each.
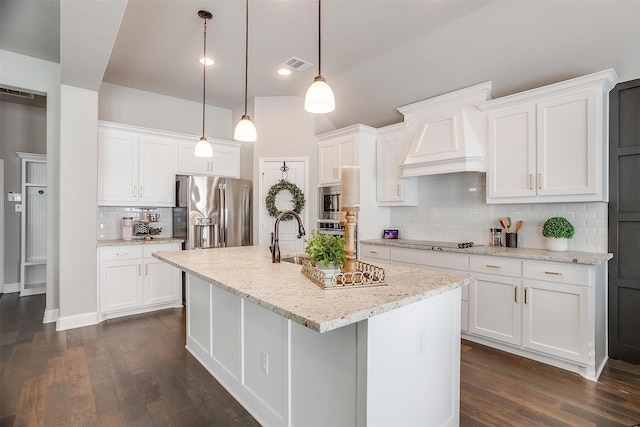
{"type": "Point", "coordinates": [110, 253]}
{"type": "Point", "coordinates": [150, 249]}
{"type": "Point", "coordinates": [378, 252]}
{"type": "Point", "coordinates": [427, 258]}
{"type": "Point", "coordinates": [556, 272]}
{"type": "Point", "coordinates": [495, 265]}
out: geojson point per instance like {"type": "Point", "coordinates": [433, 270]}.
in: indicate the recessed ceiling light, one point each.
{"type": "Point", "coordinates": [284, 71]}
{"type": "Point", "coordinates": [209, 61]}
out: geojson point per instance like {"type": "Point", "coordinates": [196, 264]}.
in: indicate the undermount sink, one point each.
{"type": "Point", "coordinates": [294, 259]}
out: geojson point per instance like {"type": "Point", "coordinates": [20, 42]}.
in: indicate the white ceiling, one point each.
{"type": "Point", "coordinates": [376, 54]}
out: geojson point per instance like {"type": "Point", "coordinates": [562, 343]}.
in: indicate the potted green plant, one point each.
{"type": "Point", "coordinates": [326, 251]}
{"type": "Point", "coordinates": [558, 230]}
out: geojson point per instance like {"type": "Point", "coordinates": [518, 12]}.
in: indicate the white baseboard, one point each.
{"type": "Point", "coordinates": [10, 288]}
{"type": "Point", "coordinates": [76, 321]}
{"type": "Point", "coordinates": [51, 316]}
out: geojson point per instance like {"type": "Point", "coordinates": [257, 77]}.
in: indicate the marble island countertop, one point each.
{"type": "Point", "coordinates": [591, 258]}
{"type": "Point", "coordinates": [281, 288]}
{"type": "Point", "coordinates": [153, 241]}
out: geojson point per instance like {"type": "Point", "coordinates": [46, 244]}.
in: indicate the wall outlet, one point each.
{"type": "Point", "coordinates": [264, 362]}
{"type": "Point", "coordinates": [18, 208]}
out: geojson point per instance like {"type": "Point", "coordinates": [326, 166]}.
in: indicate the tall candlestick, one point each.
{"type": "Point", "coordinates": [350, 186]}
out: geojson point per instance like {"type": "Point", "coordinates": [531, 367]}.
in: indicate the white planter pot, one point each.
{"type": "Point", "coordinates": [557, 244]}
{"type": "Point", "coordinates": [330, 269]}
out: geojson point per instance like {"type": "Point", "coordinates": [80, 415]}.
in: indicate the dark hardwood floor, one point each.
{"type": "Point", "coordinates": [135, 371]}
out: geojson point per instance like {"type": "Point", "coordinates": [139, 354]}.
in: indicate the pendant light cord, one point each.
{"type": "Point", "coordinates": [246, 57]}
{"type": "Point", "coordinates": [204, 74]}
{"type": "Point", "coordinates": [319, 38]}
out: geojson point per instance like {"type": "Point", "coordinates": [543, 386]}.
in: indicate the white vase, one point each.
{"type": "Point", "coordinates": [557, 244]}
{"type": "Point", "coordinates": [330, 269]}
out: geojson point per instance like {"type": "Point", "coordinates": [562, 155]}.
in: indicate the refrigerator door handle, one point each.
{"type": "Point", "coordinates": [222, 229]}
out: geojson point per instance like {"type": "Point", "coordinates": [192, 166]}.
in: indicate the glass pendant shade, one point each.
{"type": "Point", "coordinates": [203, 148]}
{"type": "Point", "coordinates": [245, 130]}
{"type": "Point", "coordinates": [319, 98]}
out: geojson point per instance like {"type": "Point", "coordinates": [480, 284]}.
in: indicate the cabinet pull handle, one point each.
{"type": "Point", "coordinates": [515, 294]}
{"type": "Point", "coordinates": [554, 273]}
{"type": "Point", "coordinates": [146, 269]}
{"type": "Point", "coordinates": [135, 191]}
{"type": "Point", "coordinates": [540, 181]}
{"type": "Point", "coordinates": [141, 192]}
{"type": "Point", "coordinates": [122, 253]}
{"type": "Point", "coordinates": [139, 270]}
{"type": "Point", "coordinates": [373, 252]}
{"type": "Point", "coordinates": [493, 266]}
{"type": "Point", "coordinates": [398, 190]}
{"type": "Point", "coordinates": [530, 181]}
{"type": "Point", "coordinates": [525, 295]}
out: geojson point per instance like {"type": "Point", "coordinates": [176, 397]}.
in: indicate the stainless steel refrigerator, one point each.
{"type": "Point", "coordinates": [213, 212]}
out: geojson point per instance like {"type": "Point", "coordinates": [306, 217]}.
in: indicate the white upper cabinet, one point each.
{"type": "Point", "coordinates": [225, 160]}
{"type": "Point", "coordinates": [134, 168]}
{"type": "Point", "coordinates": [550, 144]}
{"type": "Point", "coordinates": [392, 189]}
{"type": "Point", "coordinates": [333, 153]}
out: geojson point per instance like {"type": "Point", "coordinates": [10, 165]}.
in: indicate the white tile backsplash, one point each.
{"type": "Point", "coordinates": [452, 207]}
{"type": "Point", "coordinates": [110, 221]}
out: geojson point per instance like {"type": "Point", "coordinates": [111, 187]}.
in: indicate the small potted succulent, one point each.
{"type": "Point", "coordinates": [558, 230]}
{"type": "Point", "coordinates": [326, 251]}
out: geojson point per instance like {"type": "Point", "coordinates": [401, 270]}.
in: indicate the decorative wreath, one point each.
{"type": "Point", "coordinates": [298, 198]}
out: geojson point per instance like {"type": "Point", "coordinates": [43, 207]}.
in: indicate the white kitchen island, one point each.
{"type": "Point", "coordinates": [296, 355]}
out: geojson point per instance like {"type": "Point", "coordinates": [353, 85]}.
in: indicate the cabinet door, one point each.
{"type": "Point", "coordinates": [161, 282]}
{"type": "Point", "coordinates": [566, 145]}
{"type": "Point", "coordinates": [120, 285]}
{"type": "Point", "coordinates": [555, 319]}
{"type": "Point", "coordinates": [495, 309]}
{"type": "Point", "coordinates": [157, 177]}
{"type": "Point", "coordinates": [347, 151]}
{"type": "Point", "coordinates": [117, 167]}
{"type": "Point", "coordinates": [328, 163]}
{"type": "Point", "coordinates": [225, 160]}
{"type": "Point", "coordinates": [188, 164]}
{"type": "Point", "coordinates": [390, 154]}
{"type": "Point", "coordinates": [512, 158]}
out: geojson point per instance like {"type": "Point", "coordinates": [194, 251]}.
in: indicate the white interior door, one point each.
{"type": "Point", "coordinates": [270, 174]}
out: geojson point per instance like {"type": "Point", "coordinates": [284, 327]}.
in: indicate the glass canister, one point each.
{"type": "Point", "coordinates": [496, 236]}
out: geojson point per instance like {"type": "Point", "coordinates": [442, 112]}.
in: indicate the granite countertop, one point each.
{"type": "Point", "coordinates": [248, 272]}
{"type": "Point", "coordinates": [154, 241]}
{"type": "Point", "coordinates": [590, 258]}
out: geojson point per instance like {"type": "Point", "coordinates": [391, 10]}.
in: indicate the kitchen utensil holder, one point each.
{"type": "Point", "coordinates": [511, 240]}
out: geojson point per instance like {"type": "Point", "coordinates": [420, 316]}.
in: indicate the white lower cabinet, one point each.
{"type": "Point", "coordinates": [132, 281]}
{"type": "Point", "coordinates": [552, 312]}
{"type": "Point", "coordinates": [496, 299]}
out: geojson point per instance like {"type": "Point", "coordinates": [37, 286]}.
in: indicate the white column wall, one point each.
{"type": "Point", "coordinates": [78, 201]}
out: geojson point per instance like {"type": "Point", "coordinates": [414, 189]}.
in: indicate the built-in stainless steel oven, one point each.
{"type": "Point", "coordinates": [329, 211]}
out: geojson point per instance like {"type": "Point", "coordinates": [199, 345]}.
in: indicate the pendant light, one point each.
{"type": "Point", "coordinates": [319, 98]}
{"type": "Point", "coordinates": [203, 147]}
{"type": "Point", "coordinates": [245, 129]}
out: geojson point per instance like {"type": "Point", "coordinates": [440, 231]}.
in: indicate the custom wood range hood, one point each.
{"type": "Point", "coordinates": [447, 133]}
